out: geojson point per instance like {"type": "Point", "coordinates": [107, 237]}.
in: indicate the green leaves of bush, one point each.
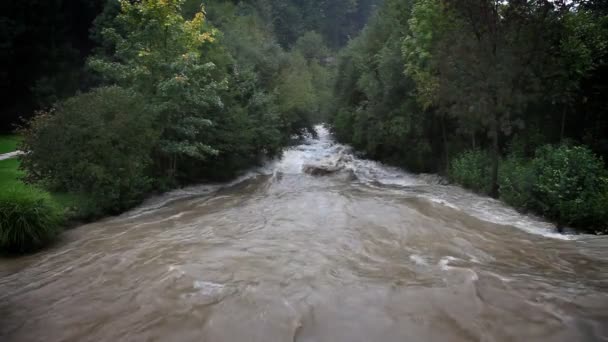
{"type": "Point", "coordinates": [571, 186]}
{"type": "Point", "coordinates": [517, 181]}
{"type": "Point", "coordinates": [28, 220]}
{"type": "Point", "coordinates": [99, 143]}
{"type": "Point", "coordinates": [568, 184]}
{"type": "Point", "coordinates": [472, 170]}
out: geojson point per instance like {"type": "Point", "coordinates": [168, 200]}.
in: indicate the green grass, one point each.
{"type": "Point", "coordinates": [10, 180]}
{"type": "Point", "coordinates": [10, 175]}
{"type": "Point", "coordinates": [8, 143]}
{"type": "Point", "coordinates": [29, 220]}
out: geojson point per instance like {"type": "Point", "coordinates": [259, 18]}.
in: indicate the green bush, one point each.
{"type": "Point", "coordinates": [28, 220]}
{"type": "Point", "coordinates": [472, 169]}
{"type": "Point", "coordinates": [571, 186]}
{"type": "Point", "coordinates": [98, 144]}
{"type": "Point", "coordinates": [517, 180]}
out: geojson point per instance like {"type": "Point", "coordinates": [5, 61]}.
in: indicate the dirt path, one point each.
{"type": "Point", "coordinates": [10, 155]}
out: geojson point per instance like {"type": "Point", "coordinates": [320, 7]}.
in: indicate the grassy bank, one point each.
{"type": "Point", "coordinates": [11, 179]}
{"type": "Point", "coordinates": [30, 216]}
{"type": "Point", "coordinates": [8, 143]}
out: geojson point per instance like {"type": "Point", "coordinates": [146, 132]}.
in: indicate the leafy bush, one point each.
{"type": "Point", "coordinates": [517, 180]}
{"type": "Point", "coordinates": [297, 96]}
{"type": "Point", "coordinates": [571, 186]}
{"type": "Point", "coordinates": [97, 144]}
{"type": "Point", "coordinates": [28, 220]}
{"type": "Point", "coordinates": [472, 169]}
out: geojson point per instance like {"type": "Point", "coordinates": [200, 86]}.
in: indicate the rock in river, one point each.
{"type": "Point", "coordinates": [320, 170]}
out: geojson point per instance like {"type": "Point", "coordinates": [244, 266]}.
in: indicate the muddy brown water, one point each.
{"type": "Point", "coordinates": [370, 254]}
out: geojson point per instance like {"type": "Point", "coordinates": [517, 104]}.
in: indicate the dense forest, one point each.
{"type": "Point", "coordinates": [117, 99]}
{"type": "Point", "coordinates": [507, 98]}
{"type": "Point", "coordinates": [44, 56]}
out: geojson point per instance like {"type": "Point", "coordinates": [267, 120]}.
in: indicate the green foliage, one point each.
{"type": "Point", "coordinates": [297, 98]}
{"type": "Point", "coordinates": [312, 46]}
{"type": "Point", "coordinates": [74, 206]}
{"type": "Point", "coordinates": [250, 41]}
{"type": "Point", "coordinates": [343, 125]}
{"type": "Point", "coordinates": [214, 103]}
{"type": "Point", "coordinates": [10, 174]}
{"type": "Point", "coordinates": [571, 186]}
{"type": "Point", "coordinates": [217, 113]}
{"type": "Point", "coordinates": [471, 169]}
{"type": "Point", "coordinates": [517, 181]}
{"type": "Point", "coordinates": [159, 54]}
{"type": "Point", "coordinates": [424, 81]}
{"type": "Point", "coordinates": [98, 143]}
{"type": "Point", "coordinates": [28, 220]}
{"type": "Point", "coordinates": [249, 129]}
{"type": "Point", "coordinates": [323, 81]}
{"type": "Point", "coordinates": [426, 26]}
{"type": "Point", "coordinates": [568, 184]}
{"type": "Point", "coordinates": [8, 143]}
{"type": "Point", "coordinates": [428, 80]}
{"type": "Point", "coordinates": [375, 108]}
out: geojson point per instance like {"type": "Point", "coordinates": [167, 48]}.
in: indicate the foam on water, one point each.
{"type": "Point", "coordinates": [444, 263]}
{"type": "Point", "coordinates": [207, 288]}
{"type": "Point", "coordinates": [418, 260]}
{"type": "Point", "coordinates": [282, 257]}
{"type": "Point", "coordinates": [430, 187]}
{"type": "Point", "coordinates": [324, 150]}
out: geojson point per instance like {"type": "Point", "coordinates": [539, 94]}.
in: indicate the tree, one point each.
{"type": "Point", "coordinates": [483, 70]}
{"type": "Point", "coordinates": [312, 46]}
{"type": "Point", "coordinates": [162, 55]}
{"type": "Point", "coordinates": [297, 100]}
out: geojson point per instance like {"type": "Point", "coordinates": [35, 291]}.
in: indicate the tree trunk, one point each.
{"type": "Point", "coordinates": [563, 128]}
{"type": "Point", "coordinates": [495, 158]}
{"type": "Point", "coordinates": [172, 162]}
{"type": "Point", "coordinates": [445, 143]}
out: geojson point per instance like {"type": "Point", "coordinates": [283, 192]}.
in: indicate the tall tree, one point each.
{"type": "Point", "coordinates": [161, 55]}
{"type": "Point", "coordinates": [484, 68]}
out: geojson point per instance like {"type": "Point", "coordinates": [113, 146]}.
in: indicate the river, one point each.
{"type": "Point", "coordinates": [371, 254]}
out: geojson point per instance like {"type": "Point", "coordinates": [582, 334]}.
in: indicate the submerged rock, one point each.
{"type": "Point", "coordinates": [350, 175]}
{"type": "Point", "coordinates": [320, 170]}
{"type": "Point", "coordinates": [433, 179]}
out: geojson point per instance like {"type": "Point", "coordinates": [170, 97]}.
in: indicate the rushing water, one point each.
{"type": "Point", "coordinates": [369, 254]}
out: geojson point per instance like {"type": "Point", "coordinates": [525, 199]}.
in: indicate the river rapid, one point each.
{"type": "Point", "coordinates": [368, 254]}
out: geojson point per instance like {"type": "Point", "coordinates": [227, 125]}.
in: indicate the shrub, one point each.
{"type": "Point", "coordinates": [517, 180]}
{"type": "Point", "coordinates": [98, 144]}
{"type": "Point", "coordinates": [571, 186]}
{"type": "Point", "coordinates": [472, 169]}
{"type": "Point", "coordinates": [28, 220]}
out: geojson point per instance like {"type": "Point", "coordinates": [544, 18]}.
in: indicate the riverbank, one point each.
{"type": "Point", "coordinates": [34, 216]}
{"type": "Point", "coordinates": [8, 143]}
{"type": "Point", "coordinates": [564, 184]}
{"type": "Point", "coordinates": [280, 255]}
{"type": "Point", "coordinates": [11, 178]}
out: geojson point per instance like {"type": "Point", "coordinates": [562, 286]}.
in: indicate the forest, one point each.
{"type": "Point", "coordinates": [115, 100]}
{"type": "Point", "coordinates": [507, 98]}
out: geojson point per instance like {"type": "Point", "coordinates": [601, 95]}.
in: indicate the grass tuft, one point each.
{"type": "Point", "coordinates": [29, 219]}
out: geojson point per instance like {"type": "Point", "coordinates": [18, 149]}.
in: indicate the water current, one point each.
{"type": "Point", "coordinates": [367, 254]}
